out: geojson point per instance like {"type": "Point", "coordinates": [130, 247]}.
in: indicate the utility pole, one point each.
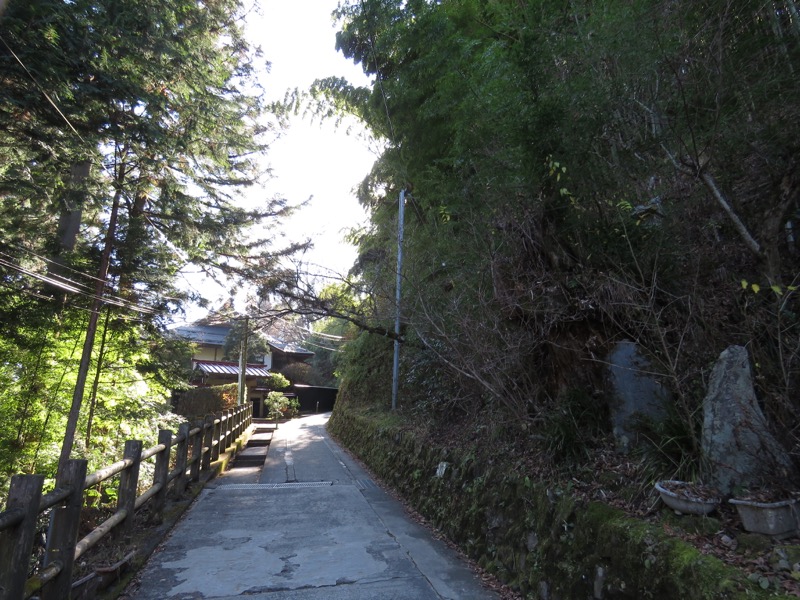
{"type": "Point", "coordinates": [243, 362]}
{"type": "Point", "coordinates": [88, 342]}
{"type": "Point", "coordinates": [396, 361]}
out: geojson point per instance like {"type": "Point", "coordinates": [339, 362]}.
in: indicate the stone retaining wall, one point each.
{"type": "Point", "coordinates": [536, 538]}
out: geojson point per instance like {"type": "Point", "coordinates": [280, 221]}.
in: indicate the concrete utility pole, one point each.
{"type": "Point", "coordinates": [396, 362]}
{"type": "Point", "coordinates": [243, 362]}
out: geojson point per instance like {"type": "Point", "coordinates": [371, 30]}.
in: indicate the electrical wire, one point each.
{"type": "Point", "coordinates": [51, 281]}
{"type": "Point", "coordinates": [60, 278]}
{"type": "Point", "coordinates": [379, 78]}
{"type": "Point", "coordinates": [155, 295]}
{"type": "Point", "coordinates": [39, 296]}
{"type": "Point", "coordinates": [113, 300]}
{"type": "Point", "coordinates": [41, 89]}
{"type": "Point", "coordinates": [313, 345]}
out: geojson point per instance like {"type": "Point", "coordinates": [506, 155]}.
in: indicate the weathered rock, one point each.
{"type": "Point", "coordinates": [738, 449]}
{"type": "Point", "coordinates": [599, 582]}
{"type": "Point", "coordinates": [532, 542]}
{"type": "Point", "coordinates": [544, 591]}
{"type": "Point", "coordinates": [635, 392]}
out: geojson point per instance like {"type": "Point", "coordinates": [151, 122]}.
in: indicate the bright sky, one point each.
{"type": "Point", "coordinates": [310, 160]}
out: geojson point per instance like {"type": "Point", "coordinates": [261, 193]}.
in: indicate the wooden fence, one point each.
{"type": "Point", "coordinates": [197, 449]}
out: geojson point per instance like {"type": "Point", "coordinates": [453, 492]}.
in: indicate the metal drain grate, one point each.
{"type": "Point", "coordinates": [275, 486]}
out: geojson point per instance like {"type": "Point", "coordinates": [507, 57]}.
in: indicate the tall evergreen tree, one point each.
{"type": "Point", "coordinates": [134, 127]}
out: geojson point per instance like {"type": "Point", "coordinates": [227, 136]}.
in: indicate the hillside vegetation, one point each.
{"type": "Point", "coordinates": [576, 174]}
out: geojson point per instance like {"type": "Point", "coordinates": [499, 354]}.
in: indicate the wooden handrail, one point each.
{"type": "Point", "coordinates": [50, 499]}
{"type": "Point", "coordinates": [99, 532]}
{"type": "Point", "coordinates": [106, 473]}
{"type": "Point", "coordinates": [38, 581]}
{"type": "Point", "coordinates": [197, 448]}
{"type": "Point", "coordinates": [150, 452]}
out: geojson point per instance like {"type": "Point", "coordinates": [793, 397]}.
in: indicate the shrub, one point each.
{"type": "Point", "coordinates": [280, 406]}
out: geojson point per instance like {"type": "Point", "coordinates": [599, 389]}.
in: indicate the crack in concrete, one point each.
{"type": "Point", "coordinates": [288, 567]}
{"type": "Point", "coordinates": [265, 589]}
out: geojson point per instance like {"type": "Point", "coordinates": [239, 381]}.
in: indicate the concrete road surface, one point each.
{"type": "Point", "coordinates": [309, 524]}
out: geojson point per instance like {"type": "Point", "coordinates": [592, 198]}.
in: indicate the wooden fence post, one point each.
{"type": "Point", "coordinates": [197, 449]}
{"type": "Point", "coordinates": [16, 543]}
{"type": "Point", "coordinates": [226, 428]}
{"type": "Point", "coordinates": [208, 436]}
{"type": "Point", "coordinates": [161, 475]}
{"type": "Point", "coordinates": [180, 459]}
{"type": "Point", "coordinates": [216, 438]}
{"type": "Point", "coordinates": [129, 483]}
{"type": "Point", "coordinates": [63, 533]}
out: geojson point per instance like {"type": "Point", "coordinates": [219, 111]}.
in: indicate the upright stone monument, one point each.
{"type": "Point", "coordinates": [635, 392]}
{"type": "Point", "coordinates": [738, 449]}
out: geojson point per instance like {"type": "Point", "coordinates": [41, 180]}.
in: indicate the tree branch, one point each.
{"type": "Point", "coordinates": [698, 172]}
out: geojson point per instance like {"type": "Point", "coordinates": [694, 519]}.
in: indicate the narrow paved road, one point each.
{"type": "Point", "coordinates": [308, 524]}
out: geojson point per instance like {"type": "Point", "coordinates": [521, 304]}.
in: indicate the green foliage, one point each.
{"type": "Point", "coordinates": [326, 356]}
{"type": "Point", "coordinates": [277, 381]}
{"type": "Point", "coordinates": [279, 406]}
{"type": "Point", "coordinates": [257, 344]}
{"type": "Point", "coordinates": [575, 424]}
{"type": "Point", "coordinates": [149, 108]}
{"type": "Point", "coordinates": [577, 175]}
{"type": "Point", "coordinates": [668, 448]}
{"type": "Point", "coordinates": [125, 402]}
{"type": "Point", "coordinates": [367, 365]}
{"type": "Point", "coordinates": [298, 372]}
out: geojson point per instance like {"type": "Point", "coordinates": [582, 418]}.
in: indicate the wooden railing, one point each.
{"type": "Point", "coordinates": [197, 449]}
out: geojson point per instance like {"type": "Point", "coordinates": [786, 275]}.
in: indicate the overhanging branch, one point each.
{"type": "Point", "coordinates": [699, 172]}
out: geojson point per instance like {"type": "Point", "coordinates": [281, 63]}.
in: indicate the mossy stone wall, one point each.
{"type": "Point", "coordinates": [533, 536]}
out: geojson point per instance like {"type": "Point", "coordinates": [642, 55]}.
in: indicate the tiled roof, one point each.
{"type": "Point", "coordinates": [214, 335]}
{"type": "Point", "coordinates": [215, 367]}
{"type": "Point", "coordinates": [287, 347]}
{"type": "Point", "coordinates": [204, 334]}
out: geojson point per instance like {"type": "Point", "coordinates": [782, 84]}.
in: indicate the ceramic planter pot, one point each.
{"type": "Point", "coordinates": [679, 497]}
{"type": "Point", "coordinates": [771, 518]}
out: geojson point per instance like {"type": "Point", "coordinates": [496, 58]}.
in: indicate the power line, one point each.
{"type": "Point", "coordinates": [51, 281]}
{"type": "Point", "coordinates": [328, 336]}
{"type": "Point", "coordinates": [49, 260]}
{"type": "Point", "coordinates": [81, 273]}
{"type": "Point", "coordinates": [371, 35]}
{"type": "Point", "coordinates": [313, 345]}
{"type": "Point", "coordinates": [39, 296]}
{"type": "Point", "coordinates": [58, 278]}
{"type": "Point", "coordinates": [60, 283]}
{"type": "Point", "coordinates": [41, 89]}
